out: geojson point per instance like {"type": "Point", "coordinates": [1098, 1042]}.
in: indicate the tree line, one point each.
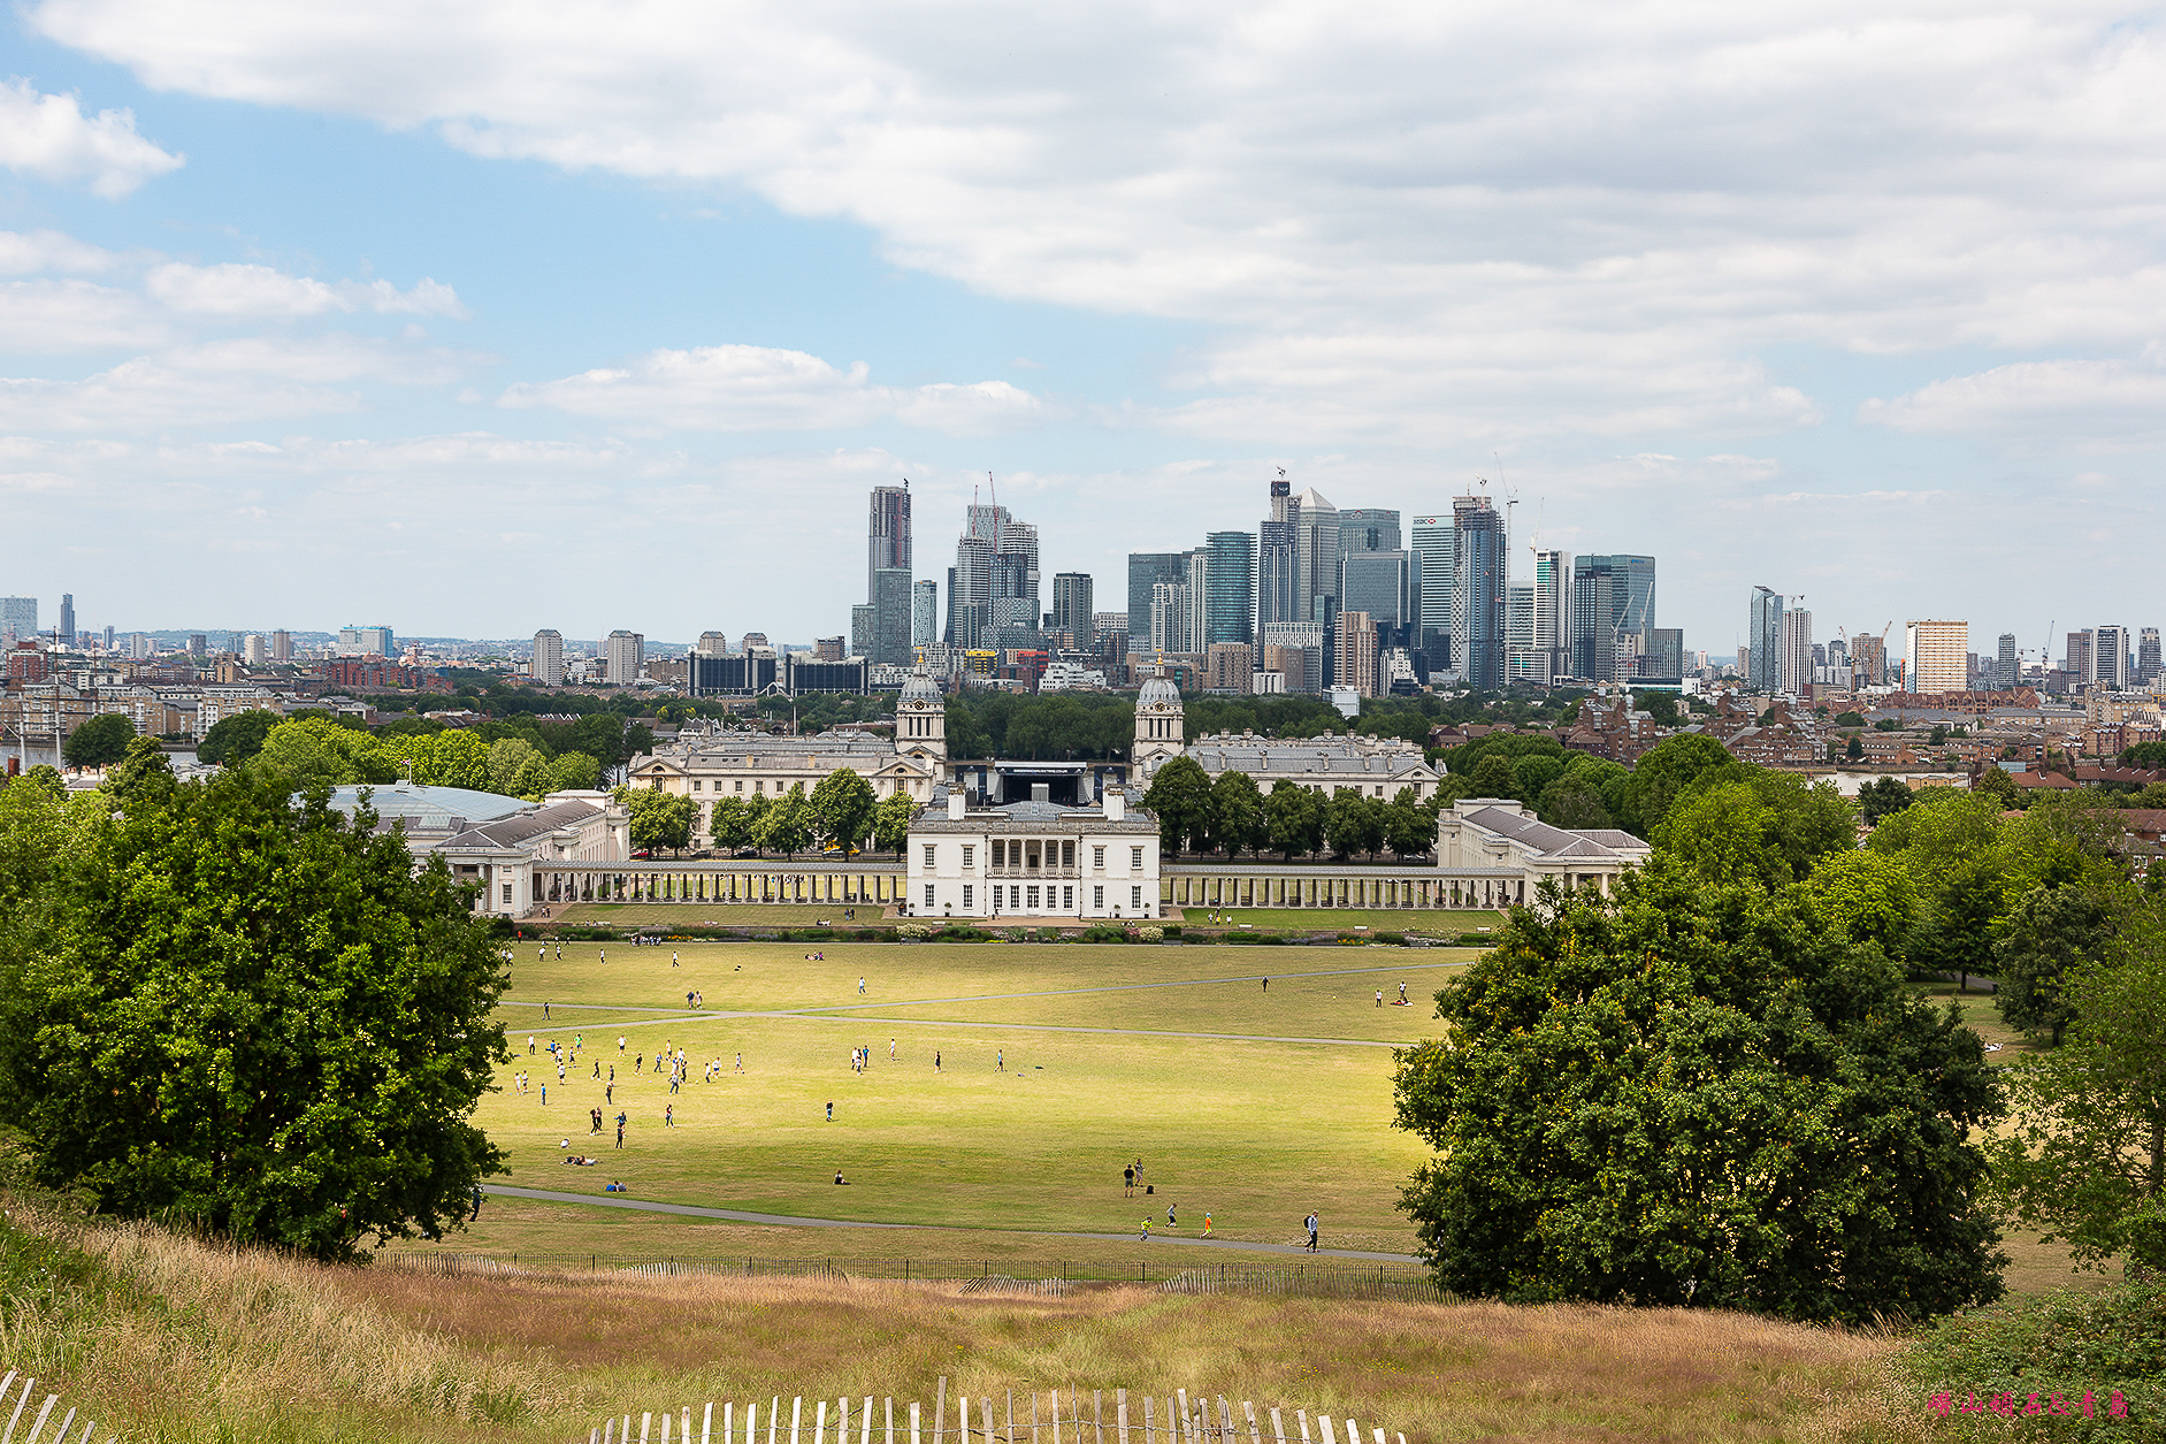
{"type": "Point", "coordinates": [524, 759]}
{"type": "Point", "coordinates": [841, 812]}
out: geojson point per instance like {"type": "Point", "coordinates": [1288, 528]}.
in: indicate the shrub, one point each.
{"type": "Point", "coordinates": [1049, 935]}
{"type": "Point", "coordinates": [1150, 935]}
{"type": "Point", "coordinates": [2064, 1343]}
{"type": "Point", "coordinates": [1173, 930]}
{"type": "Point", "coordinates": [1104, 933]}
{"type": "Point", "coordinates": [913, 932]}
{"type": "Point", "coordinates": [1394, 939]}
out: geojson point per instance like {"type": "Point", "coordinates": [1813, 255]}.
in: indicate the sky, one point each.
{"type": "Point", "coordinates": [472, 319]}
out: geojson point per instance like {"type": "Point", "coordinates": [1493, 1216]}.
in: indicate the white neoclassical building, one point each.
{"type": "Point", "coordinates": [1033, 860]}
{"type": "Point", "coordinates": [502, 844]}
{"type": "Point", "coordinates": [1371, 766]}
{"type": "Point", "coordinates": [1499, 853]}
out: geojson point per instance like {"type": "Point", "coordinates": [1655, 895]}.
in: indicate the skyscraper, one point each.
{"type": "Point", "coordinates": [1316, 548]}
{"type": "Point", "coordinates": [1172, 612]}
{"type": "Point", "coordinates": [1278, 559]}
{"type": "Point", "coordinates": [547, 667]}
{"type": "Point", "coordinates": [1797, 651]}
{"type": "Point", "coordinates": [887, 545]}
{"type": "Point", "coordinates": [1015, 615]}
{"type": "Point", "coordinates": [1354, 663]}
{"type": "Point", "coordinates": [19, 618]}
{"type": "Point", "coordinates": [1145, 571]}
{"type": "Point", "coordinates": [2078, 662]}
{"type": "Point", "coordinates": [1666, 656]}
{"type": "Point", "coordinates": [1229, 607]}
{"type": "Point", "coordinates": [1613, 615]}
{"type": "Point", "coordinates": [281, 646]}
{"type": "Point", "coordinates": [1368, 529]}
{"type": "Point", "coordinates": [624, 656]}
{"type": "Point", "coordinates": [2109, 656]}
{"type": "Point", "coordinates": [67, 619]}
{"type": "Point", "coordinates": [924, 613]}
{"type": "Point", "coordinates": [2004, 666]}
{"type": "Point", "coordinates": [713, 644]}
{"type": "Point", "coordinates": [2147, 657]}
{"type": "Point", "coordinates": [1939, 656]}
{"type": "Point", "coordinates": [1385, 584]}
{"type": "Point", "coordinates": [1553, 615]}
{"type": "Point", "coordinates": [1483, 557]}
{"type": "Point", "coordinates": [891, 616]}
{"type": "Point", "coordinates": [1072, 606]}
{"type": "Point", "coordinates": [1435, 543]}
{"type": "Point", "coordinates": [1765, 634]}
{"type": "Point", "coordinates": [970, 592]}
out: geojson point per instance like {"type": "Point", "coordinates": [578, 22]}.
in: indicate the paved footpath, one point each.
{"type": "Point", "coordinates": [733, 1215]}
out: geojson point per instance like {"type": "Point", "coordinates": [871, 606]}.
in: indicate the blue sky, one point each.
{"type": "Point", "coordinates": [479, 319]}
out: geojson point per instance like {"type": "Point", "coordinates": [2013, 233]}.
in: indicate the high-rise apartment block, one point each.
{"type": "Point", "coordinates": [547, 667]}
{"type": "Point", "coordinates": [1354, 663]}
{"type": "Point", "coordinates": [18, 618]}
{"type": "Point", "coordinates": [2109, 657]}
{"type": "Point", "coordinates": [891, 617]}
{"type": "Point", "coordinates": [366, 642]}
{"type": "Point", "coordinates": [624, 656]}
{"type": "Point", "coordinates": [2077, 664]}
{"type": "Point", "coordinates": [1939, 655]}
{"type": "Point", "coordinates": [1554, 618]}
{"type": "Point", "coordinates": [1666, 654]}
{"type": "Point", "coordinates": [281, 646]}
{"type": "Point", "coordinates": [254, 651]}
{"type": "Point", "coordinates": [1072, 607]}
{"type": "Point", "coordinates": [712, 644]}
{"type": "Point", "coordinates": [2147, 657]}
{"type": "Point", "coordinates": [67, 619]}
{"type": "Point", "coordinates": [2005, 664]}
{"type": "Point", "coordinates": [1146, 572]}
{"type": "Point", "coordinates": [887, 533]}
{"type": "Point", "coordinates": [1797, 651]}
{"type": "Point", "coordinates": [1229, 588]}
{"type": "Point", "coordinates": [924, 613]}
{"type": "Point", "coordinates": [1764, 631]}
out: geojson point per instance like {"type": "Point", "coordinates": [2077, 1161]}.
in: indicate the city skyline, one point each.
{"type": "Point", "coordinates": [370, 315]}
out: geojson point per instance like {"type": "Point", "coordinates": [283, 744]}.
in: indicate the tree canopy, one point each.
{"type": "Point", "coordinates": [231, 1007]}
{"type": "Point", "coordinates": [1699, 1092]}
{"type": "Point", "coordinates": [98, 743]}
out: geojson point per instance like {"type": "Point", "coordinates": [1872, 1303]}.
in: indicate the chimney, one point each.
{"type": "Point", "coordinates": [1116, 804]}
{"type": "Point", "coordinates": [955, 804]}
{"type": "Point", "coordinates": [1041, 792]}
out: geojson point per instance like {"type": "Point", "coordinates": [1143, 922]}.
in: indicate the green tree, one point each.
{"type": "Point", "coordinates": [234, 740]}
{"type": "Point", "coordinates": [574, 772]}
{"type": "Point", "coordinates": [1180, 798]}
{"type": "Point", "coordinates": [1870, 897]}
{"type": "Point", "coordinates": [532, 780]}
{"type": "Point", "coordinates": [2086, 1158]}
{"type": "Point", "coordinates": [1695, 1093]}
{"type": "Point", "coordinates": [1663, 773]}
{"type": "Point", "coordinates": [1295, 816]}
{"type": "Point", "coordinates": [1572, 802]}
{"type": "Point", "coordinates": [506, 756]}
{"type": "Point", "coordinates": [1494, 777]}
{"type": "Point", "coordinates": [253, 1016]}
{"type": "Point", "coordinates": [2144, 754]}
{"type": "Point", "coordinates": [786, 825]}
{"type": "Point", "coordinates": [1854, 749]}
{"type": "Point", "coordinates": [2049, 934]}
{"type": "Point", "coordinates": [304, 750]}
{"type": "Point", "coordinates": [842, 808]}
{"type": "Point", "coordinates": [659, 819]}
{"type": "Point", "coordinates": [1883, 797]}
{"type": "Point", "coordinates": [1237, 812]}
{"type": "Point", "coordinates": [1354, 823]}
{"type": "Point", "coordinates": [891, 822]}
{"type": "Point", "coordinates": [459, 758]}
{"type": "Point", "coordinates": [729, 823]}
{"type": "Point", "coordinates": [98, 743]}
{"type": "Point", "coordinates": [1409, 825]}
{"type": "Point", "coordinates": [1769, 826]}
{"type": "Point", "coordinates": [1849, 719]}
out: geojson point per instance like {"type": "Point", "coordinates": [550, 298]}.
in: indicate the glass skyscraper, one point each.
{"type": "Point", "coordinates": [1765, 638]}
{"type": "Point", "coordinates": [1229, 607]}
{"type": "Point", "coordinates": [1483, 557]}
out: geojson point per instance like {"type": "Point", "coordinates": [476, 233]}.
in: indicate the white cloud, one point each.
{"type": "Point", "coordinates": [761, 388]}
{"type": "Point", "coordinates": [24, 253]}
{"type": "Point", "coordinates": [49, 137]}
{"type": "Point", "coordinates": [222, 383]}
{"type": "Point", "coordinates": [49, 317]}
{"type": "Point", "coordinates": [261, 291]}
{"type": "Point", "coordinates": [2097, 403]}
{"type": "Point", "coordinates": [1586, 216]}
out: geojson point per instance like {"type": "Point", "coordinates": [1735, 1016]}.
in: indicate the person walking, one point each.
{"type": "Point", "coordinates": [1146, 1228]}
{"type": "Point", "coordinates": [545, 1093]}
{"type": "Point", "coordinates": [673, 960]}
{"type": "Point", "coordinates": [740, 1062]}
{"type": "Point", "coordinates": [477, 1204]}
{"type": "Point", "coordinates": [530, 1042]}
{"type": "Point", "coordinates": [1402, 995]}
{"type": "Point", "coordinates": [545, 1012]}
{"type": "Point", "coordinates": [1171, 1221]}
{"type": "Point", "coordinates": [1312, 1225]}
{"type": "Point", "coordinates": [1128, 1182]}
{"type": "Point", "coordinates": [861, 987]}
{"type": "Point", "coordinates": [669, 1116]}
{"type": "Point", "coordinates": [1207, 1225]}
{"type": "Point", "coordinates": [891, 1050]}
{"type": "Point", "coordinates": [620, 1130]}
{"type": "Point", "coordinates": [1380, 997]}
{"type": "Point", "coordinates": [831, 1112]}
{"type": "Point", "coordinates": [1000, 1060]}
{"type": "Point", "coordinates": [1267, 985]}
{"type": "Point", "coordinates": [936, 1060]}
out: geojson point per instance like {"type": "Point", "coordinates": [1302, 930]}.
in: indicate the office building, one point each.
{"type": "Point", "coordinates": [1316, 549]}
{"type": "Point", "coordinates": [887, 533]}
{"type": "Point", "coordinates": [109, 638]}
{"type": "Point", "coordinates": [1229, 588]}
{"type": "Point", "coordinates": [1385, 584]}
{"type": "Point", "coordinates": [19, 618]}
{"type": "Point", "coordinates": [1613, 612]}
{"type": "Point", "coordinates": [2109, 657]}
{"type": "Point", "coordinates": [1797, 651]}
{"type": "Point", "coordinates": [1278, 558]}
{"type": "Point", "coordinates": [1666, 655]}
{"type": "Point", "coordinates": [1765, 630]}
{"type": "Point", "coordinates": [1939, 656]}
{"type": "Point", "coordinates": [67, 619]}
{"type": "Point", "coordinates": [1296, 649]}
{"type": "Point", "coordinates": [2005, 664]}
{"type": "Point", "coordinates": [2147, 657]}
{"type": "Point", "coordinates": [2077, 664]}
{"type": "Point", "coordinates": [1015, 614]}
{"type": "Point", "coordinates": [1368, 529]}
{"type": "Point", "coordinates": [1434, 544]}
{"type": "Point", "coordinates": [1172, 615]}
{"type": "Point", "coordinates": [712, 644]}
{"type": "Point", "coordinates": [924, 613]}
{"type": "Point", "coordinates": [1483, 560]}
{"type": "Point", "coordinates": [624, 655]}
{"type": "Point", "coordinates": [1146, 571]}
{"type": "Point", "coordinates": [547, 667]}
{"type": "Point", "coordinates": [862, 620]}
{"type": "Point", "coordinates": [1199, 597]}
{"type": "Point", "coordinates": [1354, 656]}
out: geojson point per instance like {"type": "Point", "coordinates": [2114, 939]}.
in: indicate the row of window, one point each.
{"type": "Point", "coordinates": [1009, 852]}
{"type": "Point", "coordinates": [1021, 898]}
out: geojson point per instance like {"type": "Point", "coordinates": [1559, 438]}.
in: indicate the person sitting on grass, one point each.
{"type": "Point", "coordinates": [839, 1179]}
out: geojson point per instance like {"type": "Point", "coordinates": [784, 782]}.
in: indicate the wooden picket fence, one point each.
{"type": "Point", "coordinates": [37, 1434]}
{"type": "Point", "coordinates": [1173, 1420]}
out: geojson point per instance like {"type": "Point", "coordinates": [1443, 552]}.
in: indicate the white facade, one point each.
{"type": "Point", "coordinates": [1500, 853]}
{"type": "Point", "coordinates": [711, 766]}
{"type": "Point", "coordinates": [1371, 766]}
{"type": "Point", "coordinates": [496, 842]}
{"type": "Point", "coordinates": [1939, 656]}
{"type": "Point", "coordinates": [547, 667]}
{"type": "Point", "coordinates": [623, 655]}
{"type": "Point", "coordinates": [1033, 861]}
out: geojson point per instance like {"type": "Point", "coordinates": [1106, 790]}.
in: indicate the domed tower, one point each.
{"type": "Point", "coordinates": [921, 719]}
{"type": "Point", "coordinates": [1158, 727]}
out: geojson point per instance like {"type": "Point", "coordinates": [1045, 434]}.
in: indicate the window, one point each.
{"type": "Point", "coordinates": [507, 894]}
{"type": "Point", "coordinates": [966, 897]}
{"type": "Point", "coordinates": [759, 785]}
{"type": "Point", "coordinates": [695, 784]}
{"type": "Point", "coordinates": [1135, 897]}
{"type": "Point", "coordinates": [1033, 897]}
{"type": "Point", "coordinates": [1098, 898]}
{"type": "Point", "coordinates": [1067, 852]}
{"type": "Point", "coordinates": [740, 784]}
{"type": "Point", "coordinates": [928, 894]}
{"type": "Point", "coordinates": [929, 857]}
{"type": "Point", "coordinates": [1000, 852]}
{"type": "Point", "coordinates": [1135, 857]}
{"type": "Point", "coordinates": [970, 853]}
{"type": "Point", "coordinates": [1067, 899]}
{"type": "Point", "coordinates": [1098, 858]}
{"type": "Point", "coordinates": [1015, 897]}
